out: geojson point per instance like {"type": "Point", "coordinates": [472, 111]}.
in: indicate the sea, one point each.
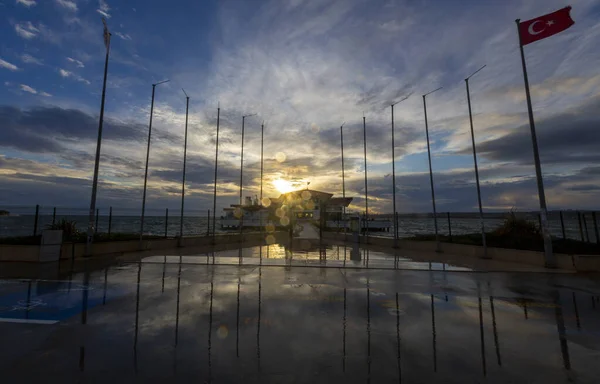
{"type": "Point", "coordinates": [21, 222]}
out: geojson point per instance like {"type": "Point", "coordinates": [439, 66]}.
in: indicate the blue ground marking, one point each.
{"type": "Point", "coordinates": [49, 300]}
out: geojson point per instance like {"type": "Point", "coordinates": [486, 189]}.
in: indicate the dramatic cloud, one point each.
{"type": "Point", "coordinates": [7, 65]}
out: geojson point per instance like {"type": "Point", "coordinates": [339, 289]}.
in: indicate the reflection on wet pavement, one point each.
{"type": "Point", "coordinates": [167, 318]}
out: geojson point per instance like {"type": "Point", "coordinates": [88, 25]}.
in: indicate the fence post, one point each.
{"type": "Point", "coordinates": [54, 216]}
{"type": "Point", "coordinates": [562, 225]}
{"type": "Point", "coordinates": [208, 224]}
{"type": "Point", "coordinates": [539, 221]}
{"type": "Point", "coordinates": [166, 221]}
{"type": "Point", "coordinates": [449, 227]}
{"type": "Point", "coordinates": [595, 227]}
{"type": "Point", "coordinates": [35, 222]}
{"type": "Point", "coordinates": [109, 220]}
{"type": "Point", "coordinates": [96, 226]}
{"type": "Point", "coordinates": [580, 225]}
{"type": "Point", "coordinates": [585, 228]}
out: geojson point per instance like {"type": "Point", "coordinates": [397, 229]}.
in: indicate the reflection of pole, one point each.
{"type": "Point", "coordinates": [549, 256]}
{"type": "Point", "coordinates": [237, 322]}
{"type": "Point", "coordinates": [177, 312]}
{"type": "Point", "coordinates": [481, 334]}
{"type": "Point", "coordinates": [368, 334]}
{"type": "Point", "coordinates": [434, 335]}
{"type": "Point", "coordinates": [398, 338]}
{"type": "Point", "coordinates": [210, 320]}
{"type": "Point", "coordinates": [560, 326]}
{"type": "Point", "coordinates": [366, 190]}
{"type": "Point", "coordinates": [562, 225]}
{"type": "Point", "coordinates": [496, 343]}
{"type": "Point", "coordinates": [216, 168]}
{"type": "Point", "coordinates": [476, 168]}
{"type": "Point", "coordinates": [187, 108]}
{"type": "Point", "coordinates": [137, 314]}
{"type": "Point", "coordinates": [435, 223]}
{"type": "Point", "coordinates": [259, 319]}
{"type": "Point", "coordinates": [344, 331]}
{"type": "Point", "coordinates": [105, 284]}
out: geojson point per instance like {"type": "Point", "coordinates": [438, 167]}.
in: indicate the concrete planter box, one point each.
{"type": "Point", "coordinates": [28, 253]}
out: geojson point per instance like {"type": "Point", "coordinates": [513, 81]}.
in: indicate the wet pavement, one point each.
{"type": "Point", "coordinates": [300, 317]}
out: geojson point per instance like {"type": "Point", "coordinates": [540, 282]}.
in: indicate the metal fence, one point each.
{"type": "Point", "coordinates": [32, 221]}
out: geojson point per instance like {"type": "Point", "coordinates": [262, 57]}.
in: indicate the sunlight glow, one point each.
{"type": "Point", "coordinates": [283, 186]}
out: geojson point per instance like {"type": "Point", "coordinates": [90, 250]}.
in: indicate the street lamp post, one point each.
{"type": "Point", "coordinates": [148, 158]}
{"type": "Point", "coordinates": [394, 174]}
{"type": "Point", "coordinates": [437, 239]}
{"type": "Point", "coordinates": [187, 108]}
{"type": "Point", "coordinates": [366, 177]}
{"type": "Point", "coordinates": [485, 254]}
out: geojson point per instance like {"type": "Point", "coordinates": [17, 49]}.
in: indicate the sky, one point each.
{"type": "Point", "coordinates": [304, 67]}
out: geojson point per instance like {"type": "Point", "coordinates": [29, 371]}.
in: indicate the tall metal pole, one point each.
{"type": "Point", "coordinates": [90, 231]}
{"type": "Point", "coordinates": [262, 138]}
{"type": "Point", "coordinates": [394, 175]}
{"type": "Point", "coordinates": [147, 158]}
{"type": "Point", "coordinates": [187, 108]}
{"type": "Point", "coordinates": [216, 168]}
{"type": "Point", "coordinates": [366, 190]}
{"type": "Point", "coordinates": [343, 178]}
{"type": "Point", "coordinates": [435, 223]}
{"type": "Point", "coordinates": [485, 255]}
{"type": "Point", "coordinates": [550, 260]}
{"type": "Point", "coordinates": [242, 176]}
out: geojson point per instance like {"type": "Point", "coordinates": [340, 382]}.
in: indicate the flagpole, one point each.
{"type": "Point", "coordinates": [216, 167]}
{"type": "Point", "coordinates": [394, 175]}
{"type": "Point", "coordinates": [483, 240]}
{"type": "Point", "coordinates": [262, 137]}
{"type": "Point", "coordinates": [90, 232]}
{"type": "Point", "coordinates": [435, 223]}
{"type": "Point", "coordinates": [187, 108]}
{"type": "Point", "coordinates": [366, 190]}
{"type": "Point", "coordinates": [550, 260]}
{"type": "Point", "coordinates": [242, 178]}
{"type": "Point", "coordinates": [343, 179]}
{"type": "Point", "coordinates": [147, 159]}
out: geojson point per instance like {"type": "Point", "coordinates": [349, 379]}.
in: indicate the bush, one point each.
{"type": "Point", "coordinates": [69, 228]}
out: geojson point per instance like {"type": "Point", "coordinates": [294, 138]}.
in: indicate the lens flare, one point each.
{"type": "Point", "coordinates": [283, 186]}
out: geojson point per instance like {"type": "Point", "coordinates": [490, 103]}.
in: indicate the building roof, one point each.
{"type": "Point", "coordinates": [306, 194]}
{"type": "Point", "coordinates": [343, 201]}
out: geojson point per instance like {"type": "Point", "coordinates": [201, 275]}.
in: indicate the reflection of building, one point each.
{"type": "Point", "coordinates": [303, 204]}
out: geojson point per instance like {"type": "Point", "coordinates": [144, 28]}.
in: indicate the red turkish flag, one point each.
{"type": "Point", "coordinates": [545, 26]}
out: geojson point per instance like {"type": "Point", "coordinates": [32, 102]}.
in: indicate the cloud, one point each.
{"type": "Point", "coordinates": [68, 74]}
{"type": "Point", "coordinates": [28, 59]}
{"type": "Point", "coordinates": [26, 30]}
{"type": "Point", "coordinates": [103, 9]}
{"type": "Point", "coordinates": [67, 4]}
{"type": "Point", "coordinates": [27, 88]}
{"type": "Point", "coordinates": [27, 3]}
{"type": "Point", "coordinates": [7, 65]}
{"type": "Point", "coordinates": [123, 36]}
{"type": "Point", "coordinates": [78, 63]}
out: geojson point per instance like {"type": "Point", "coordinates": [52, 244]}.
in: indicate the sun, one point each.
{"type": "Point", "coordinates": [283, 186]}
